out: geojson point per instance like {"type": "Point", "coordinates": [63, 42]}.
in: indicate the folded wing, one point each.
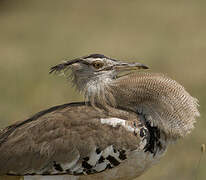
{"type": "Point", "coordinates": [70, 139]}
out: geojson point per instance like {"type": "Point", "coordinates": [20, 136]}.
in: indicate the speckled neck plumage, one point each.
{"type": "Point", "coordinates": [164, 102]}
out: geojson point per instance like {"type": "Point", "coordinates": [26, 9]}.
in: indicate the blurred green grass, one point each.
{"type": "Point", "coordinates": [168, 36]}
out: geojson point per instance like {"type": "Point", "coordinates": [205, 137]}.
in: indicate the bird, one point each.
{"type": "Point", "coordinates": [125, 124]}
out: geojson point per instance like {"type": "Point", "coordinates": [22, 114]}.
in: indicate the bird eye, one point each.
{"type": "Point", "coordinates": [97, 64]}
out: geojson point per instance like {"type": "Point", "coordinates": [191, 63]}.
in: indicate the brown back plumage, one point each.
{"type": "Point", "coordinates": [61, 134]}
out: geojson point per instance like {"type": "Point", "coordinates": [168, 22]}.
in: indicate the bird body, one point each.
{"type": "Point", "coordinates": [125, 125]}
{"type": "Point", "coordinates": [88, 143]}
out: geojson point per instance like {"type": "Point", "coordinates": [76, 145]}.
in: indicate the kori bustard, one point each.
{"type": "Point", "coordinates": [125, 124]}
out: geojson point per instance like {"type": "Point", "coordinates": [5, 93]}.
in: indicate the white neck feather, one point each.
{"type": "Point", "coordinates": [96, 90]}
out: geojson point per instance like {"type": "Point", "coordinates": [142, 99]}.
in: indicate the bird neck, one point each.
{"type": "Point", "coordinates": [97, 92]}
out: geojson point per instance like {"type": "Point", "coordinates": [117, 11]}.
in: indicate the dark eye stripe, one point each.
{"type": "Point", "coordinates": [64, 65]}
{"type": "Point", "coordinates": [95, 56]}
{"type": "Point", "coordinates": [101, 56]}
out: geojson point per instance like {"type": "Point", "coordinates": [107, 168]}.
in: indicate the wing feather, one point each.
{"type": "Point", "coordinates": [67, 139]}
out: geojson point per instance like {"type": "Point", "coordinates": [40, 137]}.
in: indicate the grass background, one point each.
{"type": "Point", "coordinates": [168, 36]}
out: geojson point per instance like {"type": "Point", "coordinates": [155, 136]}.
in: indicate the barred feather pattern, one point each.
{"type": "Point", "coordinates": [164, 101]}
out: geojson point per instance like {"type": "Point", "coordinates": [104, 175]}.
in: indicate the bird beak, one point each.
{"type": "Point", "coordinates": [129, 66]}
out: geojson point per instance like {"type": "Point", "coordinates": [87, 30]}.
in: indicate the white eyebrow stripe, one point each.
{"type": "Point", "coordinates": [117, 121]}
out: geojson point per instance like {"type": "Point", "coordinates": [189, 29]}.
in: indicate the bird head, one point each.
{"type": "Point", "coordinates": [94, 69]}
